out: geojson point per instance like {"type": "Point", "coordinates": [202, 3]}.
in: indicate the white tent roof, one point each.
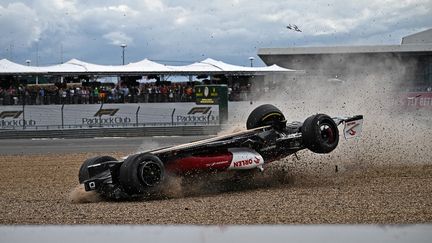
{"type": "Point", "coordinates": [78, 66]}
{"type": "Point", "coordinates": [71, 66]}
{"type": "Point", "coordinates": [74, 66]}
{"type": "Point", "coordinates": [197, 67]}
{"type": "Point", "coordinates": [225, 66]}
{"type": "Point", "coordinates": [147, 66]}
{"type": "Point", "coordinates": [213, 66]}
{"type": "Point", "coordinates": [274, 68]}
{"type": "Point", "coordinates": [8, 67]}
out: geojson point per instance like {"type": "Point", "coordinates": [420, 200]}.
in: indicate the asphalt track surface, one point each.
{"type": "Point", "coordinates": [103, 144]}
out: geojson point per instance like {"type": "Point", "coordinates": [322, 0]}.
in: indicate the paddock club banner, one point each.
{"type": "Point", "coordinates": [107, 115]}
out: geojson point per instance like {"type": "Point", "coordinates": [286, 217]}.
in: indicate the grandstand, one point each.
{"type": "Point", "coordinates": [78, 82]}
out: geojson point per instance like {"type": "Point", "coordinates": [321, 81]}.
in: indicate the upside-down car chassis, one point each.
{"type": "Point", "coordinates": [268, 138]}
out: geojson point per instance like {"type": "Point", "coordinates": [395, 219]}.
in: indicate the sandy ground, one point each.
{"type": "Point", "coordinates": [36, 189]}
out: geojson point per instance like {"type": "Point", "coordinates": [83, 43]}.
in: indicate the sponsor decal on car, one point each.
{"type": "Point", "coordinates": [353, 128]}
{"type": "Point", "coordinates": [245, 159]}
{"type": "Point", "coordinates": [247, 162]}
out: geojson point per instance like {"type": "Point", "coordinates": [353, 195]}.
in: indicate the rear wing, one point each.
{"type": "Point", "coordinates": [353, 125]}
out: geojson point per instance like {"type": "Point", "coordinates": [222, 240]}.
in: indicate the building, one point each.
{"type": "Point", "coordinates": [411, 61]}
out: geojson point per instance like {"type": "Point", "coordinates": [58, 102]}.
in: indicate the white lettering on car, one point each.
{"type": "Point", "coordinates": [245, 159]}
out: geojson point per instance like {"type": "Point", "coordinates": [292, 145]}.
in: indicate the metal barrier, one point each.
{"type": "Point", "coordinates": [111, 132]}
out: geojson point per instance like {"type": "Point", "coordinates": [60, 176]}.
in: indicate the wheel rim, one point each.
{"type": "Point", "coordinates": [327, 133]}
{"type": "Point", "coordinates": [150, 173]}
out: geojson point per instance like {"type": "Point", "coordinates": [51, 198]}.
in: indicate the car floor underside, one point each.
{"type": "Point", "coordinates": [269, 143]}
{"type": "Point", "coordinates": [268, 138]}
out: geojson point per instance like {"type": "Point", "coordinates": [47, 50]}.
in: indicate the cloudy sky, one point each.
{"type": "Point", "coordinates": [183, 31]}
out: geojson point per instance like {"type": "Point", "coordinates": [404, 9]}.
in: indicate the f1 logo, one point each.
{"type": "Point", "coordinates": [13, 114]}
{"type": "Point", "coordinates": [110, 112]}
{"type": "Point", "coordinates": [203, 110]}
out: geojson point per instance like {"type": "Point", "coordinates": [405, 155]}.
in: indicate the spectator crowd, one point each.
{"type": "Point", "coordinates": [80, 94]}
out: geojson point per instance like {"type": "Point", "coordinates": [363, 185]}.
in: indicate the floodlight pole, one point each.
{"type": "Point", "coordinates": [251, 61]}
{"type": "Point", "coordinates": [123, 46]}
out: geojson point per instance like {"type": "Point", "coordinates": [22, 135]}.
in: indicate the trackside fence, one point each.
{"type": "Point", "coordinates": [56, 117]}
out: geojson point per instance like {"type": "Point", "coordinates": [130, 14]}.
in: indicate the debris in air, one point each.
{"type": "Point", "coordinates": [293, 27]}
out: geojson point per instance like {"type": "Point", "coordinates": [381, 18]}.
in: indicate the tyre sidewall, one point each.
{"type": "Point", "coordinates": [129, 174]}
{"type": "Point", "coordinates": [264, 115]}
{"type": "Point", "coordinates": [311, 134]}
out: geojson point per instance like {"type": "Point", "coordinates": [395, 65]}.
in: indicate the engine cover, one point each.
{"type": "Point", "coordinates": [232, 159]}
{"type": "Point", "coordinates": [245, 159]}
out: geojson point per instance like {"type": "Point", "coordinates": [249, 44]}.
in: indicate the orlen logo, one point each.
{"type": "Point", "coordinates": [202, 110]}
{"type": "Point", "coordinates": [245, 158]}
{"type": "Point", "coordinates": [10, 114]}
{"type": "Point", "coordinates": [247, 162]}
{"type": "Point", "coordinates": [109, 112]}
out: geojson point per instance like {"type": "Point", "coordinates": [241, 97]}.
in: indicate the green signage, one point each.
{"type": "Point", "coordinates": [214, 94]}
{"type": "Point", "coordinates": [207, 95]}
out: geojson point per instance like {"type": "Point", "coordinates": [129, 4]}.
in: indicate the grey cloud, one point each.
{"type": "Point", "coordinates": [19, 25]}
{"type": "Point", "coordinates": [191, 30]}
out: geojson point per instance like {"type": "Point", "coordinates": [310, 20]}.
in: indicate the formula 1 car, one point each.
{"type": "Point", "coordinates": [268, 138]}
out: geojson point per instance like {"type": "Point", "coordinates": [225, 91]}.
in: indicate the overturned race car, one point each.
{"type": "Point", "coordinates": [268, 138]}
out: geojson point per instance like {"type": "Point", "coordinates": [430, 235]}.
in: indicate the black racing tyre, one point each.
{"type": "Point", "coordinates": [83, 172]}
{"type": "Point", "coordinates": [320, 133]}
{"type": "Point", "coordinates": [264, 115]}
{"type": "Point", "coordinates": [141, 173]}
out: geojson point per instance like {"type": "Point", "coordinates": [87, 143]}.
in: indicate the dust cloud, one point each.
{"type": "Point", "coordinates": [392, 135]}
{"type": "Point", "coordinates": [173, 187]}
{"type": "Point", "coordinates": [79, 195]}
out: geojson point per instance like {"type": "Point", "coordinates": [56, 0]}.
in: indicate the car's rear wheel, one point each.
{"type": "Point", "coordinates": [141, 173]}
{"type": "Point", "coordinates": [264, 115]}
{"type": "Point", "coordinates": [320, 133]}
{"type": "Point", "coordinates": [83, 173]}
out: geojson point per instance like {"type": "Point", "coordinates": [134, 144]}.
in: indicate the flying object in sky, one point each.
{"type": "Point", "coordinates": [293, 27]}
